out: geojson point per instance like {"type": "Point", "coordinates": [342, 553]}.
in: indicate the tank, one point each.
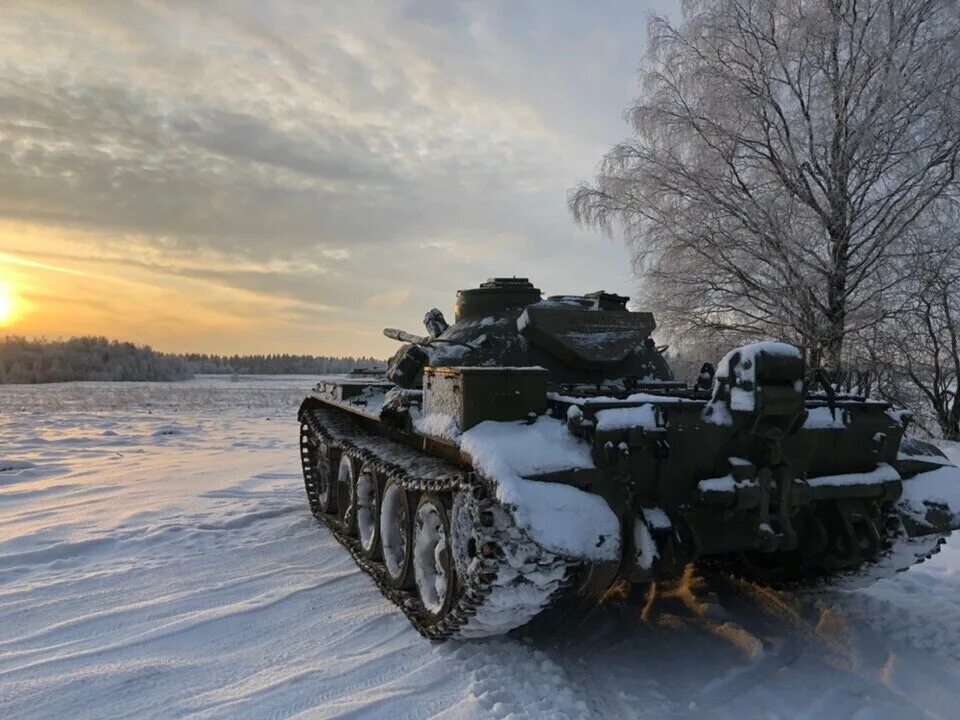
{"type": "Point", "coordinates": [540, 448]}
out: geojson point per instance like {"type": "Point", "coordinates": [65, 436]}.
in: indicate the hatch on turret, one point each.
{"type": "Point", "coordinates": [494, 296]}
{"type": "Point", "coordinates": [588, 339]}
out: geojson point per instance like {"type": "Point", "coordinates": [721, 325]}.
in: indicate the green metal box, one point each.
{"type": "Point", "coordinates": [471, 395]}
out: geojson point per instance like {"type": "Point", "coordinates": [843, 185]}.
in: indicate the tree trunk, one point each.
{"type": "Point", "coordinates": [838, 226]}
{"type": "Point", "coordinates": [835, 322]}
{"type": "Point", "coordinates": [951, 428]}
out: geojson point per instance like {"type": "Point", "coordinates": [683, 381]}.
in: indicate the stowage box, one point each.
{"type": "Point", "coordinates": [471, 395]}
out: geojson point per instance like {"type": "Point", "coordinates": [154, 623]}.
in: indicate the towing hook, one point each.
{"type": "Point", "coordinates": [774, 529]}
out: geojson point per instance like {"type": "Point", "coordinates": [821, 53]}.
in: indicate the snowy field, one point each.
{"type": "Point", "coordinates": [157, 559]}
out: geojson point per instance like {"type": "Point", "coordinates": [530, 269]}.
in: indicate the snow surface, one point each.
{"type": "Point", "coordinates": [940, 485]}
{"type": "Point", "coordinates": [561, 518]}
{"type": "Point", "coordinates": [746, 369]}
{"type": "Point", "coordinates": [644, 416]}
{"type": "Point", "coordinates": [749, 353]}
{"type": "Point", "coordinates": [157, 560]}
{"type": "Point", "coordinates": [821, 418]}
{"type": "Point", "coordinates": [725, 483]}
{"type": "Point", "coordinates": [609, 400]}
{"type": "Point", "coordinates": [657, 518]}
{"type": "Point", "coordinates": [647, 552]}
{"type": "Point", "coordinates": [881, 474]}
{"type": "Point", "coordinates": [438, 425]}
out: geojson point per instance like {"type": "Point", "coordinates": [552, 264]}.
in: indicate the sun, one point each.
{"type": "Point", "coordinates": [8, 304]}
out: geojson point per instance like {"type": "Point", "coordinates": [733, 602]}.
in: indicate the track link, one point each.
{"type": "Point", "coordinates": [899, 554]}
{"type": "Point", "coordinates": [503, 578]}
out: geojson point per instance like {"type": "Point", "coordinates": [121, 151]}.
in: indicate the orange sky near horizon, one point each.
{"type": "Point", "coordinates": [283, 177]}
{"type": "Point", "coordinates": [53, 286]}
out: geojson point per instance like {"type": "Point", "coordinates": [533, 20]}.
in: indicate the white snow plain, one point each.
{"type": "Point", "coordinates": [157, 560]}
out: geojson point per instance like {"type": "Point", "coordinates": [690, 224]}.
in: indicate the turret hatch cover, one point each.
{"type": "Point", "coordinates": [586, 338]}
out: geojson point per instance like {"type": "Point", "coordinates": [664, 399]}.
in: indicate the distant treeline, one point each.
{"type": "Point", "coordinates": [276, 364]}
{"type": "Point", "coordinates": [24, 360]}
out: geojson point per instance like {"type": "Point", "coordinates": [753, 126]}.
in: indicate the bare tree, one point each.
{"type": "Point", "coordinates": [781, 150]}
{"type": "Point", "coordinates": [917, 354]}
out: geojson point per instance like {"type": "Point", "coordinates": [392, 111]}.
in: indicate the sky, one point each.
{"type": "Point", "coordinates": [269, 176]}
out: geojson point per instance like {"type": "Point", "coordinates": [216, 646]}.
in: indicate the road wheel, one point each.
{"type": "Point", "coordinates": [396, 534]}
{"type": "Point", "coordinates": [433, 566]}
{"type": "Point", "coordinates": [367, 496]}
{"type": "Point", "coordinates": [326, 497]}
{"type": "Point", "coordinates": [346, 494]}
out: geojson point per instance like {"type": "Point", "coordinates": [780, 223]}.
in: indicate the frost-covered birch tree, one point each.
{"type": "Point", "coordinates": [916, 355]}
{"type": "Point", "coordinates": [929, 353]}
{"type": "Point", "coordinates": [781, 150]}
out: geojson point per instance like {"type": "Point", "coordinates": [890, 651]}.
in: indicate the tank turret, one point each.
{"type": "Point", "coordinates": [590, 338]}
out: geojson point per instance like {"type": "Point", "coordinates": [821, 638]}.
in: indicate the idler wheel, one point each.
{"type": "Point", "coordinates": [433, 566]}
{"type": "Point", "coordinates": [346, 495]}
{"type": "Point", "coordinates": [317, 472]}
{"type": "Point", "coordinates": [396, 534]}
{"type": "Point", "coordinates": [367, 496]}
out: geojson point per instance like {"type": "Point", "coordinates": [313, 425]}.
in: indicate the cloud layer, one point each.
{"type": "Point", "coordinates": [339, 166]}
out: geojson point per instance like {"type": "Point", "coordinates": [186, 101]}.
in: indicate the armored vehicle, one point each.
{"type": "Point", "coordinates": [541, 446]}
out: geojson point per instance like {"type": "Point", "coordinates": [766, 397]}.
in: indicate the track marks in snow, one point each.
{"type": "Point", "coordinates": [245, 520]}
{"type": "Point", "coordinates": [185, 622]}
{"type": "Point", "coordinates": [512, 680]}
{"type": "Point", "coordinates": [156, 612]}
{"type": "Point", "coordinates": [54, 553]}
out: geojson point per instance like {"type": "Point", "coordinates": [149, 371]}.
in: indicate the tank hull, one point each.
{"type": "Point", "coordinates": [677, 490]}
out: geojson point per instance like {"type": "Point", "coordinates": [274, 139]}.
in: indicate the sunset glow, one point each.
{"type": "Point", "coordinates": [176, 176]}
{"type": "Point", "coordinates": [8, 304]}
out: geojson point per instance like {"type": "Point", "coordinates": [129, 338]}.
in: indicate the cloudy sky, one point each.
{"type": "Point", "coordinates": [269, 176]}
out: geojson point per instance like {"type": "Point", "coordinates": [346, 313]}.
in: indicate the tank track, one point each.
{"type": "Point", "coordinates": [900, 554]}
{"type": "Point", "coordinates": [499, 589]}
